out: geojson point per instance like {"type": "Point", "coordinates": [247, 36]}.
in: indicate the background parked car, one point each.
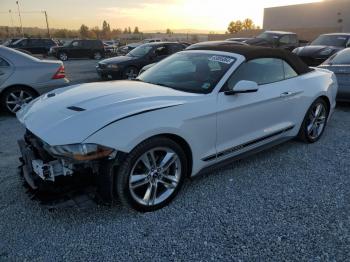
{"type": "Point", "coordinates": [275, 39]}
{"type": "Point", "coordinates": [24, 77]}
{"type": "Point", "coordinates": [34, 45]}
{"type": "Point", "coordinates": [126, 67]}
{"type": "Point", "coordinates": [79, 49]}
{"type": "Point", "coordinates": [10, 41]}
{"type": "Point", "coordinates": [322, 48]}
{"type": "Point", "coordinates": [339, 63]}
{"type": "Point", "coordinates": [123, 50]}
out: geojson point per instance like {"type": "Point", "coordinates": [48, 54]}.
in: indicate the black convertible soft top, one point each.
{"type": "Point", "coordinates": [254, 52]}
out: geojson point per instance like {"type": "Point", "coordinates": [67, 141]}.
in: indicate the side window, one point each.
{"type": "Point", "coordinates": [4, 63]}
{"type": "Point", "coordinates": [75, 43]}
{"type": "Point", "coordinates": [162, 50]}
{"type": "Point", "coordinates": [262, 71]}
{"type": "Point", "coordinates": [35, 42]}
{"type": "Point", "coordinates": [293, 39]}
{"type": "Point", "coordinates": [288, 71]}
{"type": "Point", "coordinates": [175, 48]}
{"type": "Point", "coordinates": [285, 40]}
{"type": "Point", "coordinates": [22, 43]}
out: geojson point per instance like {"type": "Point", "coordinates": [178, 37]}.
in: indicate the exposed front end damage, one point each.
{"type": "Point", "coordinates": [58, 181]}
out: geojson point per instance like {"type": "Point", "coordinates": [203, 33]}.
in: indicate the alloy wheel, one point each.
{"type": "Point", "coordinates": [131, 73]}
{"type": "Point", "coordinates": [97, 56]}
{"type": "Point", "coordinates": [155, 176]}
{"type": "Point", "coordinates": [317, 121]}
{"type": "Point", "coordinates": [63, 56]}
{"type": "Point", "coordinates": [17, 99]}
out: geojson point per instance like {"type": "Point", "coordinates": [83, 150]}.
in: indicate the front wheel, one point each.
{"type": "Point", "coordinates": [97, 56]}
{"type": "Point", "coordinates": [151, 175]}
{"type": "Point", "coordinates": [130, 72]}
{"type": "Point", "coordinates": [314, 122]}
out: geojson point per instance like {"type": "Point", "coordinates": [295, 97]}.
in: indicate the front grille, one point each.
{"type": "Point", "coordinates": [102, 66]}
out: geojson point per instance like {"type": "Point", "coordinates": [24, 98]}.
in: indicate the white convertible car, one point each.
{"type": "Point", "coordinates": [140, 139]}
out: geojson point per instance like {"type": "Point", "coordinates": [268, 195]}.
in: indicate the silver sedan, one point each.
{"type": "Point", "coordinates": [24, 77]}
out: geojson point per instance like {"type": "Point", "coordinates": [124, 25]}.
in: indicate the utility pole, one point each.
{"type": "Point", "coordinates": [11, 18]}
{"type": "Point", "coordinates": [20, 18]}
{"type": "Point", "coordinates": [47, 24]}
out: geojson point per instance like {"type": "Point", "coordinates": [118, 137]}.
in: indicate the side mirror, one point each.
{"type": "Point", "coordinates": [242, 87]}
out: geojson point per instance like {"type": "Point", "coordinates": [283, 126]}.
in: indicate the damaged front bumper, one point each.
{"type": "Point", "coordinates": [58, 182]}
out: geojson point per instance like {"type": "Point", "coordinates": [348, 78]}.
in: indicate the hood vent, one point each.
{"type": "Point", "coordinates": [75, 108]}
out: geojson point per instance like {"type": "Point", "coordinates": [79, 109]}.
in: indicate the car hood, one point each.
{"type": "Point", "coordinates": [70, 115]}
{"type": "Point", "coordinates": [117, 60]}
{"type": "Point", "coordinates": [314, 49]}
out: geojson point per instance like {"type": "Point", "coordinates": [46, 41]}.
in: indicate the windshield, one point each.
{"type": "Point", "coordinates": [331, 40]}
{"type": "Point", "coordinates": [268, 36]}
{"type": "Point", "coordinates": [340, 58]}
{"type": "Point", "coordinates": [140, 51]}
{"type": "Point", "coordinates": [189, 71]}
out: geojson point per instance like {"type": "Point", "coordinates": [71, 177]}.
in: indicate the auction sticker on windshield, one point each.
{"type": "Point", "coordinates": [222, 59]}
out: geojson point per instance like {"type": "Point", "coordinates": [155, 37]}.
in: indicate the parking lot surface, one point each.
{"type": "Point", "coordinates": [291, 202]}
{"type": "Point", "coordinates": [81, 70]}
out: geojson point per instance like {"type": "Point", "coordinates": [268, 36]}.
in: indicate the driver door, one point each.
{"type": "Point", "coordinates": [246, 120]}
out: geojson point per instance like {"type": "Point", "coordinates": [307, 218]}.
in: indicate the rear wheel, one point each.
{"type": "Point", "coordinates": [151, 175]}
{"type": "Point", "coordinates": [130, 72]}
{"type": "Point", "coordinates": [63, 56]}
{"type": "Point", "coordinates": [97, 56]}
{"type": "Point", "coordinates": [314, 122]}
{"type": "Point", "coordinates": [15, 98]}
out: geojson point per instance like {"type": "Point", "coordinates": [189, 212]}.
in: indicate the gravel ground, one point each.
{"type": "Point", "coordinates": [290, 203]}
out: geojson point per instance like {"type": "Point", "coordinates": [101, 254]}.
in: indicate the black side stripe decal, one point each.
{"type": "Point", "coordinates": [135, 114]}
{"type": "Point", "coordinates": [239, 147]}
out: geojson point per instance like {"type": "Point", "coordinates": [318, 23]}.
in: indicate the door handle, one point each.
{"type": "Point", "coordinates": [285, 94]}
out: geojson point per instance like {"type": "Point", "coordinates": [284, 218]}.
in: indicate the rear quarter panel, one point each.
{"type": "Point", "coordinates": [318, 83]}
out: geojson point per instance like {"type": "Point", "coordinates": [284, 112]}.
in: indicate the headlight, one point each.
{"type": "Point", "coordinates": [81, 152]}
{"type": "Point", "coordinates": [112, 66]}
{"type": "Point", "coordinates": [326, 51]}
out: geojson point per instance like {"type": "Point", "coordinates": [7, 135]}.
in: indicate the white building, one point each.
{"type": "Point", "coordinates": [326, 14]}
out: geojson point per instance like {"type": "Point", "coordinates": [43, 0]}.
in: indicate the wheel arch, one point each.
{"type": "Point", "coordinates": [326, 99]}
{"type": "Point", "coordinates": [18, 85]}
{"type": "Point", "coordinates": [183, 144]}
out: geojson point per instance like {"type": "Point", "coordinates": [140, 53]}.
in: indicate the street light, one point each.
{"type": "Point", "coordinates": [20, 18]}
{"type": "Point", "coordinates": [12, 26]}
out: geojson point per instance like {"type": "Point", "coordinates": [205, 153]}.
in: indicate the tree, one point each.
{"type": "Point", "coordinates": [125, 31]}
{"type": "Point", "coordinates": [84, 31]}
{"type": "Point", "coordinates": [136, 30]}
{"type": "Point", "coordinates": [129, 30]}
{"type": "Point", "coordinates": [248, 24]}
{"type": "Point", "coordinates": [234, 27]}
{"type": "Point", "coordinates": [106, 30]}
{"type": "Point", "coordinates": [169, 32]}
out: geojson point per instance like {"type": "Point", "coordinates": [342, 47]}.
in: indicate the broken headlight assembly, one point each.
{"type": "Point", "coordinates": [82, 152]}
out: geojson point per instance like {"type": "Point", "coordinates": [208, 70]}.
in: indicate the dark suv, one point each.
{"type": "Point", "coordinates": [34, 45]}
{"type": "Point", "coordinates": [79, 49]}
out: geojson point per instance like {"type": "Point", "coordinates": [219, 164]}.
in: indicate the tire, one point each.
{"type": "Point", "coordinates": [130, 72]}
{"type": "Point", "coordinates": [14, 98]}
{"type": "Point", "coordinates": [97, 56]}
{"type": "Point", "coordinates": [313, 126]}
{"type": "Point", "coordinates": [63, 56]}
{"type": "Point", "coordinates": [162, 186]}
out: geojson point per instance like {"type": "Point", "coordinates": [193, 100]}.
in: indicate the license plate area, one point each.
{"type": "Point", "coordinates": [48, 171]}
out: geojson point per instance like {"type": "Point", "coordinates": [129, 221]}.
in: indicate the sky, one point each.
{"type": "Point", "coordinates": [148, 15]}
